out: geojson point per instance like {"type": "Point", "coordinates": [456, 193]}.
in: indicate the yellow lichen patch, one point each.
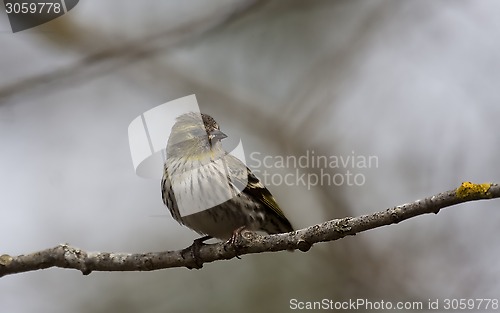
{"type": "Point", "coordinates": [470, 190]}
{"type": "Point", "coordinates": [5, 259]}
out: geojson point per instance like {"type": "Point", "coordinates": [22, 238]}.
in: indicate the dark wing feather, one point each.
{"type": "Point", "coordinates": [168, 196]}
{"type": "Point", "coordinates": [243, 179]}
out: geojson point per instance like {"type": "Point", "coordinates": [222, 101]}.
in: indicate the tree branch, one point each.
{"type": "Point", "coordinates": [65, 256]}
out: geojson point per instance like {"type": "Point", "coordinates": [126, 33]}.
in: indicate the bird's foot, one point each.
{"type": "Point", "coordinates": [233, 241]}
{"type": "Point", "coordinates": [194, 249]}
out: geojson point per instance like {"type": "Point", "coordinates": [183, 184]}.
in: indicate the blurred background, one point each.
{"type": "Point", "coordinates": [414, 83]}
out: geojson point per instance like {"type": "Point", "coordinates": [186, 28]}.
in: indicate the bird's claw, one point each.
{"type": "Point", "coordinates": [233, 241]}
{"type": "Point", "coordinates": [194, 249]}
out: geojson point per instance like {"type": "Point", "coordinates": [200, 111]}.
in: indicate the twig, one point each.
{"type": "Point", "coordinates": [65, 256]}
{"type": "Point", "coordinates": [99, 63]}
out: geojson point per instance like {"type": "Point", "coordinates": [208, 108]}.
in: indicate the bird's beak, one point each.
{"type": "Point", "coordinates": [217, 134]}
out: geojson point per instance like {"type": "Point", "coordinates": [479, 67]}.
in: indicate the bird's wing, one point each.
{"type": "Point", "coordinates": [243, 179]}
{"type": "Point", "coordinates": [168, 195]}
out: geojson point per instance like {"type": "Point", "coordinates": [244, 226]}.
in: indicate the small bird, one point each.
{"type": "Point", "coordinates": [201, 177]}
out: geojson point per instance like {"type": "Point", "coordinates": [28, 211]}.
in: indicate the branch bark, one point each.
{"type": "Point", "coordinates": [65, 256]}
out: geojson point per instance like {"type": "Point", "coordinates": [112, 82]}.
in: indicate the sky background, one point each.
{"type": "Point", "coordinates": [414, 83]}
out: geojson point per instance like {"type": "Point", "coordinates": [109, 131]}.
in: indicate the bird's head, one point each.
{"type": "Point", "coordinates": [195, 135]}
